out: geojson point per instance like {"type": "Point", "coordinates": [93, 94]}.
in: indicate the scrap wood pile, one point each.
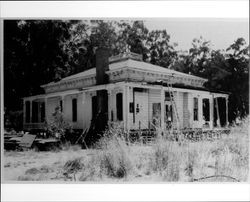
{"type": "Point", "coordinates": [20, 141]}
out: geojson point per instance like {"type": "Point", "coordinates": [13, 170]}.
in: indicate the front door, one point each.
{"type": "Point", "coordinates": [141, 110]}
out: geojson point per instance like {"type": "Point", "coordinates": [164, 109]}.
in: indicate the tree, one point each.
{"type": "Point", "coordinates": [33, 56]}
{"type": "Point", "coordinates": [225, 70]}
{"type": "Point", "coordinates": [237, 82]}
{"type": "Point", "coordinates": [160, 51]}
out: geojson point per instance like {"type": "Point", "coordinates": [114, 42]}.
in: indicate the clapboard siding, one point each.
{"type": "Point", "coordinates": [178, 98]}
{"type": "Point", "coordinates": [186, 113]}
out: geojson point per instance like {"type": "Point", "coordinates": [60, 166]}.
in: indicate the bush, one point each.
{"type": "Point", "coordinates": [14, 120]}
{"type": "Point", "coordinates": [58, 127]}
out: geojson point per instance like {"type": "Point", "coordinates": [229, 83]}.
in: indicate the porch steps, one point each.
{"type": "Point", "coordinates": [144, 135]}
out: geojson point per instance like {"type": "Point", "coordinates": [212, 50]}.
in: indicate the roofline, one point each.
{"type": "Point", "coordinates": [129, 59]}
{"type": "Point", "coordinates": [178, 72]}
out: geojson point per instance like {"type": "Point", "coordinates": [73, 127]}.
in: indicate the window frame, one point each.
{"type": "Point", "coordinates": [195, 109]}
{"type": "Point", "coordinates": [74, 110]}
{"type": "Point", "coordinates": [119, 106]}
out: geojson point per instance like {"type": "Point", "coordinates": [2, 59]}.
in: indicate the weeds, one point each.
{"type": "Point", "coordinates": [113, 158]}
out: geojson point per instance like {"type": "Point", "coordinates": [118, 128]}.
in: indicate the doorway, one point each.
{"type": "Point", "coordinates": [141, 109]}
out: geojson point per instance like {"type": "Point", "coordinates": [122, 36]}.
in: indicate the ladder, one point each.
{"type": "Point", "coordinates": [173, 104]}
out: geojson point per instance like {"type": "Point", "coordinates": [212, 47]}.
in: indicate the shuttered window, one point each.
{"type": "Point", "coordinates": [74, 110]}
{"type": "Point", "coordinates": [196, 109]}
{"type": "Point", "coordinates": [34, 112]}
{"type": "Point", "coordinates": [119, 106]}
{"type": "Point", "coordinates": [61, 105]}
{"type": "Point", "coordinates": [206, 109]}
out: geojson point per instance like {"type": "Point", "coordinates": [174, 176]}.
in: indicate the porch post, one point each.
{"type": "Point", "coordinates": [24, 112]}
{"type": "Point", "coordinates": [227, 111]}
{"type": "Point", "coordinates": [162, 109]}
{"type": "Point", "coordinates": [124, 106]}
{"type": "Point", "coordinates": [45, 108]}
{"type": "Point", "coordinates": [114, 105]}
{"type": "Point", "coordinates": [127, 108]}
{"type": "Point", "coordinates": [124, 103]}
{"type": "Point", "coordinates": [39, 112]}
{"type": "Point", "coordinates": [31, 111]}
{"type": "Point", "coordinates": [217, 110]}
{"type": "Point", "coordinates": [109, 104]}
{"type": "Point", "coordinates": [212, 112]}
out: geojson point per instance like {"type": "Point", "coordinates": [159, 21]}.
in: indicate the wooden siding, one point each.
{"type": "Point", "coordinates": [186, 110]}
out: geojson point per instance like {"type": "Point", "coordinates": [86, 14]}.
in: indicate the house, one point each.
{"type": "Point", "coordinates": [132, 93]}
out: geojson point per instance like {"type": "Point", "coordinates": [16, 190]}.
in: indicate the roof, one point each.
{"type": "Point", "coordinates": [83, 74]}
{"type": "Point", "coordinates": [144, 66]}
{"type": "Point", "coordinates": [129, 63]}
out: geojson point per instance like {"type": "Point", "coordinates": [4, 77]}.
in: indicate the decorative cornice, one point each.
{"type": "Point", "coordinates": [124, 74]}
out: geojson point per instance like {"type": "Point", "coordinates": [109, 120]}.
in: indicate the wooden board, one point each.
{"type": "Point", "coordinates": [27, 140]}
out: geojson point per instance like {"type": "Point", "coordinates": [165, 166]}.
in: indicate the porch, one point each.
{"type": "Point", "coordinates": [139, 106]}
{"type": "Point", "coordinates": [132, 106]}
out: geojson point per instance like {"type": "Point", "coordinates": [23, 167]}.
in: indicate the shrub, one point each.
{"type": "Point", "coordinates": [58, 127]}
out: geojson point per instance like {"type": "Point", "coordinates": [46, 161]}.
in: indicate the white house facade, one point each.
{"type": "Point", "coordinates": [138, 97]}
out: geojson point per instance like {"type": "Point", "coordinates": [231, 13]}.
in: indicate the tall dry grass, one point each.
{"type": "Point", "coordinates": [114, 158]}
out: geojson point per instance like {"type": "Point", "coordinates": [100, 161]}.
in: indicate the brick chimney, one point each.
{"type": "Point", "coordinates": [102, 65]}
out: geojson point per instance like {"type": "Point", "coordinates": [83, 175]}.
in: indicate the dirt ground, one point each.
{"type": "Point", "coordinates": [45, 165]}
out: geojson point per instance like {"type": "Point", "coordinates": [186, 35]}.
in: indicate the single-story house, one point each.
{"type": "Point", "coordinates": [138, 95]}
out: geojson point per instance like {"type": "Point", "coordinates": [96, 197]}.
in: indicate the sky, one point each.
{"type": "Point", "coordinates": [221, 32]}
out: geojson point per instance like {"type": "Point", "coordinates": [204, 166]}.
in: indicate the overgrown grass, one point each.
{"type": "Point", "coordinates": [113, 158]}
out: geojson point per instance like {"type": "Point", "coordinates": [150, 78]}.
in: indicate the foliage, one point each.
{"type": "Point", "coordinates": [33, 56]}
{"type": "Point", "coordinates": [40, 51]}
{"type": "Point", "coordinates": [58, 127]}
{"type": "Point", "coordinates": [13, 120]}
{"type": "Point", "coordinates": [226, 159]}
{"type": "Point", "coordinates": [225, 70]}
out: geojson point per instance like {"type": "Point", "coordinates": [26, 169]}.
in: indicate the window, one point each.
{"type": "Point", "coordinates": [119, 106]}
{"type": "Point", "coordinates": [27, 111]}
{"type": "Point", "coordinates": [206, 109]}
{"type": "Point", "coordinates": [61, 105]}
{"type": "Point", "coordinates": [34, 112]}
{"type": "Point", "coordinates": [195, 109]}
{"type": "Point", "coordinates": [74, 110]}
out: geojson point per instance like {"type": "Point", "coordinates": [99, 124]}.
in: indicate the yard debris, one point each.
{"type": "Point", "coordinates": [27, 140]}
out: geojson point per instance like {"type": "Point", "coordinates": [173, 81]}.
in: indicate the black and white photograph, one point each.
{"type": "Point", "coordinates": [125, 100]}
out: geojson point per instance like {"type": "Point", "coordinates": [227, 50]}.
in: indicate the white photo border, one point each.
{"type": "Point", "coordinates": [121, 9]}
